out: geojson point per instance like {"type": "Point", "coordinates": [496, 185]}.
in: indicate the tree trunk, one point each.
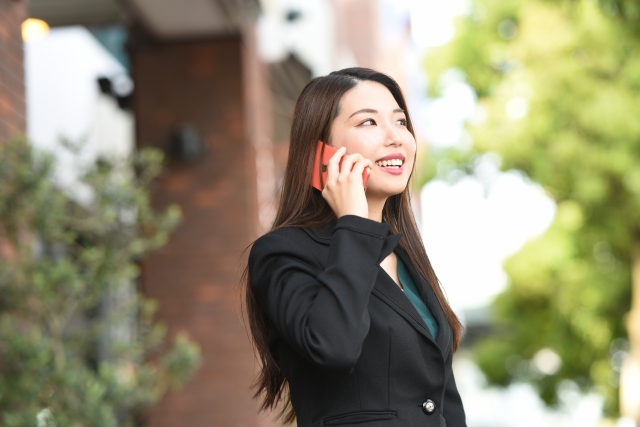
{"type": "Point", "coordinates": [630, 373]}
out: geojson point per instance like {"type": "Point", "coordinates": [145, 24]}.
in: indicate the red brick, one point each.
{"type": "Point", "coordinates": [195, 277]}
{"type": "Point", "coordinates": [12, 103]}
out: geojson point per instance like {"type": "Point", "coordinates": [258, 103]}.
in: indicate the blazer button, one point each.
{"type": "Point", "coordinates": [428, 407]}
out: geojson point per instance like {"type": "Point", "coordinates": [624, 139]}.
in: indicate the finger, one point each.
{"type": "Point", "coordinates": [360, 166]}
{"type": "Point", "coordinates": [333, 166]}
{"type": "Point", "coordinates": [347, 164]}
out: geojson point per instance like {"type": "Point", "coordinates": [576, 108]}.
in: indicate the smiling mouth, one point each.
{"type": "Point", "coordinates": [392, 164]}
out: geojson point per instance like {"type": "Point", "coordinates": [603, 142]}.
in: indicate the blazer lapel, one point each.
{"type": "Point", "coordinates": [444, 329]}
{"type": "Point", "coordinates": [389, 292]}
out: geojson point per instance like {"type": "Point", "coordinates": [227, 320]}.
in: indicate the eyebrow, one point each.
{"type": "Point", "coordinates": [370, 110]}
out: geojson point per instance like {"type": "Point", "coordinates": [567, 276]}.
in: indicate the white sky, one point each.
{"type": "Point", "coordinates": [469, 230]}
{"type": "Point", "coordinates": [431, 23]}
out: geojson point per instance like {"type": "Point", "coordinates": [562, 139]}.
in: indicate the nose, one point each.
{"type": "Point", "coordinates": [392, 136]}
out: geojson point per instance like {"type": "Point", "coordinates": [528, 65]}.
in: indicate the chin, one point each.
{"type": "Point", "coordinates": [386, 191]}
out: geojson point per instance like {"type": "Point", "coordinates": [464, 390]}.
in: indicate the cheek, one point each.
{"type": "Point", "coordinates": [411, 153]}
{"type": "Point", "coordinates": [358, 145]}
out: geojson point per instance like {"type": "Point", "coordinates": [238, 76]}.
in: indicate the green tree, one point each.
{"type": "Point", "coordinates": [558, 87]}
{"type": "Point", "coordinates": [78, 343]}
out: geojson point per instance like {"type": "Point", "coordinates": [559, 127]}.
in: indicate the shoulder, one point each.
{"type": "Point", "coordinates": [280, 253]}
{"type": "Point", "coordinates": [283, 242]}
{"type": "Point", "coordinates": [282, 238]}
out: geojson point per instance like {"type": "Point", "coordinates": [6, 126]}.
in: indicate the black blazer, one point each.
{"type": "Point", "coordinates": [352, 346]}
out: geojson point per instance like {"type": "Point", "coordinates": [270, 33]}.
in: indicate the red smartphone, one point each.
{"type": "Point", "coordinates": [324, 152]}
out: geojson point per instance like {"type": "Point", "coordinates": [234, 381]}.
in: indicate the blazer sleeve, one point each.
{"type": "Point", "coordinates": [322, 315]}
{"type": "Point", "coordinates": [453, 409]}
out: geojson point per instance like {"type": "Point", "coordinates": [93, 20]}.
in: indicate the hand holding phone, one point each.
{"type": "Point", "coordinates": [324, 152]}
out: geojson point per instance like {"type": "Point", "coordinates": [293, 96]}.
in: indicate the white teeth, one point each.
{"type": "Point", "coordinates": [388, 163]}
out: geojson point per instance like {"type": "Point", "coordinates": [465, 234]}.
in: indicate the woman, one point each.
{"type": "Point", "coordinates": [345, 311]}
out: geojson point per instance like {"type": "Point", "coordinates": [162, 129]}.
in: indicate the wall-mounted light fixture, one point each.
{"type": "Point", "coordinates": [187, 142]}
{"type": "Point", "coordinates": [34, 30]}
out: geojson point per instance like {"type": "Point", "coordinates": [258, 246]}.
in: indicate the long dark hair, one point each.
{"type": "Point", "coordinates": [303, 206]}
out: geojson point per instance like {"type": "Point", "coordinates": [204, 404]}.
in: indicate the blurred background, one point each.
{"type": "Point", "coordinates": [527, 192]}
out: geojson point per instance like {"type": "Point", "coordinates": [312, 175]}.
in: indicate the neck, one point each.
{"type": "Point", "coordinates": [375, 209]}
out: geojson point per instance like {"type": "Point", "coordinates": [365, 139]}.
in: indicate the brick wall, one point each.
{"type": "Point", "coordinates": [194, 277]}
{"type": "Point", "coordinates": [12, 97]}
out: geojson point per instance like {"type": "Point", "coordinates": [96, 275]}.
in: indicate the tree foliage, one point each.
{"type": "Point", "coordinates": [558, 85]}
{"type": "Point", "coordinates": [78, 343]}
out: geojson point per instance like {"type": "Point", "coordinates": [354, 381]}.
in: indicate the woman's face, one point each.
{"type": "Point", "coordinates": [371, 123]}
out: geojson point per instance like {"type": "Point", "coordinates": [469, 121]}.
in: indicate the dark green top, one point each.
{"type": "Point", "coordinates": [412, 293]}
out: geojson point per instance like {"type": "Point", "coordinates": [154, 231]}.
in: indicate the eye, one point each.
{"type": "Point", "coordinates": [402, 122]}
{"type": "Point", "coordinates": [369, 122]}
